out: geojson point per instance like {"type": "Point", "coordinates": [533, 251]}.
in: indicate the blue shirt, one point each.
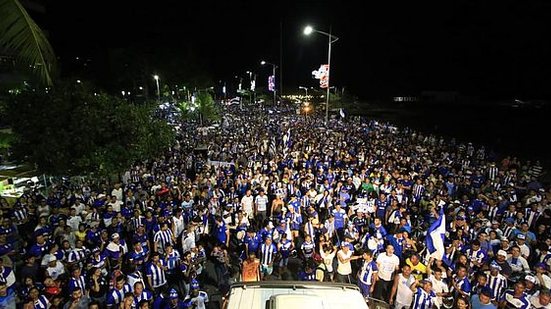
{"type": "Point", "coordinates": [475, 302]}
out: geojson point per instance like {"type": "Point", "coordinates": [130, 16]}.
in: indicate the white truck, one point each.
{"type": "Point", "coordinates": [293, 294]}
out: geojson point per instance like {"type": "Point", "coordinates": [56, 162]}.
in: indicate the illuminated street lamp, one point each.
{"type": "Point", "coordinates": [332, 39]}
{"type": "Point", "coordinates": [156, 77]}
{"type": "Point", "coordinates": [305, 89]}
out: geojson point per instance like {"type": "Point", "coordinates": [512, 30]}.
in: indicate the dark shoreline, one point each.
{"type": "Point", "coordinates": [516, 131]}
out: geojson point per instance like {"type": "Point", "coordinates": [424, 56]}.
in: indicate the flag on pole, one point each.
{"type": "Point", "coordinates": [271, 83]}
{"type": "Point", "coordinates": [435, 237]}
{"type": "Point", "coordinates": [323, 75]}
{"type": "Point", "coordinates": [286, 142]}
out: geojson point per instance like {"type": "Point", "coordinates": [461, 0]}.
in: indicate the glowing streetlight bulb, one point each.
{"type": "Point", "coordinates": [308, 30]}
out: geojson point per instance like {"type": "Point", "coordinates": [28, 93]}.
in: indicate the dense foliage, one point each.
{"type": "Point", "coordinates": [73, 131]}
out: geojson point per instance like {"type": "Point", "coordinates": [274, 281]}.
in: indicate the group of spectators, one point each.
{"type": "Point", "coordinates": [271, 195]}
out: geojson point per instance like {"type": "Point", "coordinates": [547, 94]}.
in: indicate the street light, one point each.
{"type": "Point", "coordinates": [305, 89]}
{"type": "Point", "coordinates": [274, 67]}
{"type": "Point", "coordinates": [156, 77]}
{"type": "Point", "coordinates": [332, 39]}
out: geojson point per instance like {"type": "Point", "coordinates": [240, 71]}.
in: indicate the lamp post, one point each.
{"type": "Point", "coordinates": [332, 39]}
{"type": "Point", "coordinates": [156, 77]}
{"type": "Point", "coordinates": [305, 89]}
{"type": "Point", "coordinates": [274, 67]}
{"type": "Point", "coordinates": [251, 88]}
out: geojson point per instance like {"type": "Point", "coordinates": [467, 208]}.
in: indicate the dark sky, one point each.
{"type": "Point", "coordinates": [485, 48]}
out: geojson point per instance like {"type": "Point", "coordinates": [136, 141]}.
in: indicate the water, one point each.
{"type": "Point", "coordinates": [506, 130]}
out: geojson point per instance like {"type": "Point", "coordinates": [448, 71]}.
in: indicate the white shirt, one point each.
{"type": "Point", "coordinates": [535, 301]}
{"type": "Point", "coordinates": [404, 295]}
{"type": "Point", "coordinates": [116, 205]}
{"type": "Point", "coordinates": [344, 268]}
{"type": "Point", "coordinates": [74, 222]}
{"type": "Point", "coordinates": [546, 281]}
{"type": "Point", "coordinates": [178, 225]}
{"type": "Point", "coordinates": [117, 193]}
{"type": "Point", "coordinates": [328, 260]}
{"type": "Point", "coordinates": [438, 286]}
{"type": "Point", "coordinates": [387, 265]}
{"type": "Point", "coordinates": [261, 202]}
{"type": "Point", "coordinates": [247, 204]}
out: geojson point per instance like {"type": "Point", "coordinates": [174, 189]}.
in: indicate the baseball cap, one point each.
{"type": "Point", "coordinates": [115, 235]}
{"type": "Point", "coordinates": [530, 278]}
{"type": "Point", "coordinates": [502, 253]}
{"type": "Point", "coordinates": [173, 294]}
{"type": "Point", "coordinates": [521, 236]}
{"type": "Point", "coordinates": [344, 243]}
{"type": "Point", "coordinates": [509, 220]}
{"type": "Point", "coordinates": [317, 258]}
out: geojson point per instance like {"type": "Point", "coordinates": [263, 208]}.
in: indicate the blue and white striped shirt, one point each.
{"type": "Point", "coordinates": [368, 270]}
{"type": "Point", "coordinates": [41, 303]}
{"type": "Point", "coordinates": [115, 297]}
{"type": "Point", "coordinates": [145, 295]}
{"type": "Point", "coordinates": [267, 254]}
{"type": "Point", "coordinates": [497, 284]}
{"type": "Point", "coordinates": [172, 261]}
{"type": "Point", "coordinates": [422, 299]}
{"type": "Point", "coordinates": [77, 283]}
{"type": "Point", "coordinates": [157, 274]}
{"type": "Point", "coordinates": [163, 238]}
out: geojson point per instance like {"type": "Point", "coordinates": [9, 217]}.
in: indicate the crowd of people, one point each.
{"type": "Point", "coordinates": [266, 194]}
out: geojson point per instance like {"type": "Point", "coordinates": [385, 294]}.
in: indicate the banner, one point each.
{"type": "Point", "coordinates": [323, 75]}
{"type": "Point", "coordinates": [271, 83]}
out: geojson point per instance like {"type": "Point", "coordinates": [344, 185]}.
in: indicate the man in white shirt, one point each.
{"type": "Point", "coordinates": [344, 268]}
{"type": "Point", "coordinates": [247, 204]}
{"type": "Point", "coordinates": [388, 264]}
{"type": "Point", "coordinates": [116, 203]}
{"type": "Point", "coordinates": [260, 205]}
{"type": "Point", "coordinates": [439, 287]}
{"type": "Point", "coordinates": [541, 300]}
{"type": "Point", "coordinates": [117, 191]}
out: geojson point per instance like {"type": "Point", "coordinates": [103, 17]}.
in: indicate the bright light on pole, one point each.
{"type": "Point", "coordinates": [274, 67]}
{"type": "Point", "coordinates": [332, 39]}
{"type": "Point", "coordinates": [156, 77]}
{"type": "Point", "coordinates": [305, 89]}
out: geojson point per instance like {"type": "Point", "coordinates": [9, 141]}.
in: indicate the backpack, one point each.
{"type": "Point", "coordinates": [326, 277]}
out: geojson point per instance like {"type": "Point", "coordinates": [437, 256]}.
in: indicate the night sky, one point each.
{"type": "Point", "coordinates": [488, 49]}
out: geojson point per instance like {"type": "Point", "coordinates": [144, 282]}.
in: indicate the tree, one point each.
{"type": "Point", "coordinates": [206, 107]}
{"type": "Point", "coordinates": [73, 131]}
{"type": "Point", "coordinates": [21, 38]}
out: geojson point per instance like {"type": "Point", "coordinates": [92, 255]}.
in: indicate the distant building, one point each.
{"type": "Point", "coordinates": [405, 99]}
{"type": "Point", "coordinates": [440, 96]}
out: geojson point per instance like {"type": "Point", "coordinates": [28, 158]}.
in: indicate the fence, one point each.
{"type": "Point", "coordinates": [377, 304]}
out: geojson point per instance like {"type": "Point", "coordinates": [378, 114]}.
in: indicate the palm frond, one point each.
{"type": "Point", "coordinates": [21, 36]}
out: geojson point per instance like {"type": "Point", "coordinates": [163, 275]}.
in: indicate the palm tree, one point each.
{"type": "Point", "coordinates": [21, 38]}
